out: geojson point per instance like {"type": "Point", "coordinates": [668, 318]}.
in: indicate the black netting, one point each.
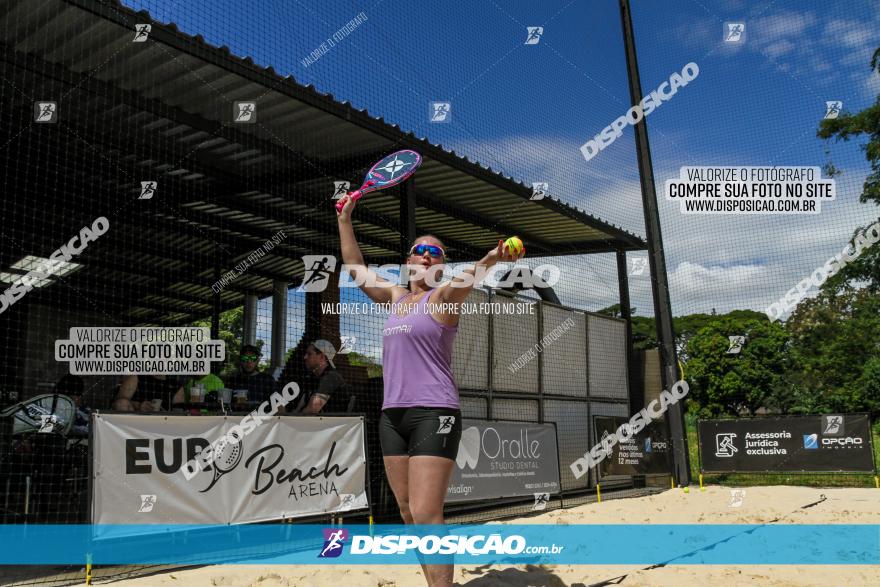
{"type": "Point", "coordinates": [171, 164]}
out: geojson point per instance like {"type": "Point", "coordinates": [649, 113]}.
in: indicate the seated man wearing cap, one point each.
{"type": "Point", "coordinates": [259, 385]}
{"type": "Point", "coordinates": [329, 385]}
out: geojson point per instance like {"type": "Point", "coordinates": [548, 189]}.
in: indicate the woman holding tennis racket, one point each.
{"type": "Point", "coordinates": [420, 426]}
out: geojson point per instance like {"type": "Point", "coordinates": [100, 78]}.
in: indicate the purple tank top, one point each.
{"type": "Point", "coordinates": [417, 360]}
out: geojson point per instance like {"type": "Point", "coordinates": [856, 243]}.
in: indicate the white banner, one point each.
{"type": "Point", "coordinates": [286, 467]}
{"type": "Point", "coordinates": [505, 459]}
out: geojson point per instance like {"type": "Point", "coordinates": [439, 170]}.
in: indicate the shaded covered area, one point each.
{"type": "Point", "coordinates": [164, 112]}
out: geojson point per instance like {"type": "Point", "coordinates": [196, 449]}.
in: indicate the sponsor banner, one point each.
{"type": "Point", "coordinates": [517, 544]}
{"type": "Point", "coordinates": [826, 443]}
{"type": "Point", "coordinates": [647, 452]}
{"type": "Point", "coordinates": [285, 467]}
{"type": "Point", "coordinates": [505, 459]}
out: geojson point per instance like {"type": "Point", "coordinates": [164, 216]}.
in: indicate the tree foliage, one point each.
{"type": "Point", "coordinates": [826, 357]}
{"type": "Point", "coordinates": [723, 382]}
{"type": "Point", "coordinates": [836, 352]}
{"type": "Point", "coordinates": [862, 125]}
{"type": "Point", "coordinates": [231, 333]}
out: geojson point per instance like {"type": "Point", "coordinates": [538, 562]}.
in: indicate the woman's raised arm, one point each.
{"type": "Point", "coordinates": [378, 289]}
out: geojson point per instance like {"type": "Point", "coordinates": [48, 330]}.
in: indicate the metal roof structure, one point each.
{"type": "Point", "coordinates": [165, 114]}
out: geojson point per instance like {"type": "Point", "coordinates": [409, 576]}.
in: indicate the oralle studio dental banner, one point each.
{"type": "Point", "coordinates": [826, 443]}
{"type": "Point", "coordinates": [505, 459]}
{"type": "Point", "coordinates": [285, 467]}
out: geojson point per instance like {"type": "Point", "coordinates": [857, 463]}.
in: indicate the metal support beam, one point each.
{"type": "Point", "coordinates": [541, 308]}
{"type": "Point", "coordinates": [313, 316]}
{"type": "Point", "coordinates": [268, 78]}
{"type": "Point", "coordinates": [636, 399]}
{"type": "Point", "coordinates": [249, 319]}
{"type": "Point", "coordinates": [185, 278]}
{"type": "Point", "coordinates": [536, 245]}
{"type": "Point", "coordinates": [203, 315]}
{"type": "Point", "coordinates": [351, 167]}
{"type": "Point", "coordinates": [279, 323]}
{"type": "Point", "coordinates": [119, 96]}
{"type": "Point", "coordinates": [77, 211]}
{"type": "Point", "coordinates": [490, 376]}
{"type": "Point", "coordinates": [407, 221]}
{"type": "Point", "coordinates": [308, 216]}
{"type": "Point", "coordinates": [216, 302]}
{"type": "Point", "coordinates": [593, 474]}
{"type": "Point", "coordinates": [657, 260]}
{"type": "Point", "coordinates": [58, 295]}
{"type": "Point", "coordinates": [407, 216]}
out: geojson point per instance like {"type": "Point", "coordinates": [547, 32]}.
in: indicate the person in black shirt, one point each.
{"type": "Point", "coordinates": [328, 386]}
{"type": "Point", "coordinates": [143, 393]}
{"type": "Point", "coordinates": [260, 386]}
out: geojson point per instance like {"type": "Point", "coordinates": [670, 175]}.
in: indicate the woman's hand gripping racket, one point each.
{"type": "Point", "coordinates": [389, 171]}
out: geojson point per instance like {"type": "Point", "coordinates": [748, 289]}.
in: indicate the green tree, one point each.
{"type": "Point", "coordinates": [864, 124]}
{"type": "Point", "coordinates": [374, 369]}
{"type": "Point", "coordinates": [645, 329]}
{"type": "Point", "coordinates": [835, 352]}
{"type": "Point", "coordinates": [614, 311]}
{"type": "Point", "coordinates": [723, 383]}
{"type": "Point", "coordinates": [231, 333]}
{"type": "Point", "coordinates": [689, 325]}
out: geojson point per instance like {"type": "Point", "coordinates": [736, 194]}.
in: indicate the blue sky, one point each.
{"type": "Point", "coordinates": [526, 109]}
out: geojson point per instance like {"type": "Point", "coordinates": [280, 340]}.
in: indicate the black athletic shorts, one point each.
{"type": "Point", "coordinates": [420, 432]}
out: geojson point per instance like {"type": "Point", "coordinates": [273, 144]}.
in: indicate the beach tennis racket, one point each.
{"type": "Point", "coordinates": [388, 171]}
{"type": "Point", "coordinates": [227, 457]}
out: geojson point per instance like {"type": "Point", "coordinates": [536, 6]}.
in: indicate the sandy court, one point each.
{"type": "Point", "coordinates": [759, 505]}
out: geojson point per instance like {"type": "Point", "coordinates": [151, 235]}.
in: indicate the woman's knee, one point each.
{"type": "Point", "coordinates": [402, 503]}
{"type": "Point", "coordinates": [406, 516]}
{"type": "Point", "coordinates": [427, 516]}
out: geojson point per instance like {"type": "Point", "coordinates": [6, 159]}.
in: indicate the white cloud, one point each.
{"type": "Point", "coordinates": [779, 48]}
{"type": "Point", "coordinates": [849, 33]}
{"type": "Point", "coordinates": [820, 65]}
{"type": "Point", "coordinates": [786, 24]}
{"type": "Point", "coordinates": [699, 32]}
{"type": "Point", "coordinates": [697, 287]}
{"type": "Point", "coordinates": [799, 44]}
{"type": "Point", "coordinates": [714, 261]}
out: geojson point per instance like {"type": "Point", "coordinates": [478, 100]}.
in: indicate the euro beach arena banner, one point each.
{"type": "Point", "coordinates": [505, 459]}
{"type": "Point", "coordinates": [816, 444]}
{"type": "Point", "coordinates": [286, 467]}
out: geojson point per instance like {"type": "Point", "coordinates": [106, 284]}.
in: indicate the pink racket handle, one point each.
{"type": "Point", "coordinates": [355, 195]}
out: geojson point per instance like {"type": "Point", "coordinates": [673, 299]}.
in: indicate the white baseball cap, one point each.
{"type": "Point", "coordinates": [327, 348]}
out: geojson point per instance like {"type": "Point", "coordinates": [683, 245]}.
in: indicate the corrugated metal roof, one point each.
{"type": "Point", "coordinates": [239, 184]}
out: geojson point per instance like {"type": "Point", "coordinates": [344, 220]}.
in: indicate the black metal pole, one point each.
{"type": "Point", "coordinates": [216, 304]}
{"type": "Point", "coordinates": [656, 258]}
{"type": "Point", "coordinates": [407, 217]}
{"type": "Point", "coordinates": [313, 316]}
{"type": "Point", "coordinates": [635, 388]}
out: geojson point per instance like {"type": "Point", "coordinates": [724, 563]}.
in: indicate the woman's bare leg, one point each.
{"type": "Point", "coordinates": [397, 473]}
{"type": "Point", "coordinates": [428, 481]}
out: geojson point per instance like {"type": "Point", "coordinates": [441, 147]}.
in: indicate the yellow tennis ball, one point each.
{"type": "Point", "coordinates": [514, 245]}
